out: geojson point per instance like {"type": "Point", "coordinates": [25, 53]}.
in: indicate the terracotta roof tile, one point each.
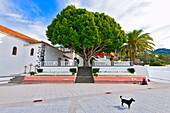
{"type": "Point", "coordinates": [67, 57]}
{"type": "Point", "coordinates": [17, 34]}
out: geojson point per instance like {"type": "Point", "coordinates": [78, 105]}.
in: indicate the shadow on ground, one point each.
{"type": "Point", "coordinates": [119, 107]}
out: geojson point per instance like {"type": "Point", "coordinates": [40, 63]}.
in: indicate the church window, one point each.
{"type": "Point", "coordinates": [14, 51]}
{"type": "Point", "coordinates": [32, 52]}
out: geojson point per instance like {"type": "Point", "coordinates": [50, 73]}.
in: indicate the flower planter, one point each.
{"type": "Point", "coordinates": [39, 70]}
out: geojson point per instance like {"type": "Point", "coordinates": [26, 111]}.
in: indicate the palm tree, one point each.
{"type": "Point", "coordinates": [138, 42]}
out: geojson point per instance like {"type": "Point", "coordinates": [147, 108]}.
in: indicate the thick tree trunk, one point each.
{"type": "Point", "coordinates": [133, 57]}
{"type": "Point", "coordinates": [85, 62]}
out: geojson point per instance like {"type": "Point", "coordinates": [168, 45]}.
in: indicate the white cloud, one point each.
{"type": "Point", "coordinates": [14, 17]}
{"type": "Point", "coordinates": [150, 15]}
{"type": "Point", "coordinates": [38, 30]}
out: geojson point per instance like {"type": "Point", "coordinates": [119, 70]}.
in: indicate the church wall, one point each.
{"type": "Point", "coordinates": [52, 54]}
{"type": "Point", "coordinates": [11, 64]}
{"type": "Point", "coordinates": [14, 64]}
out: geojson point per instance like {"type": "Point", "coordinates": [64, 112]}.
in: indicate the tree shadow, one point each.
{"type": "Point", "coordinates": [119, 107]}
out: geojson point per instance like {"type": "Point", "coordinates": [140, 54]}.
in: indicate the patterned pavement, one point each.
{"type": "Point", "coordinates": [84, 98]}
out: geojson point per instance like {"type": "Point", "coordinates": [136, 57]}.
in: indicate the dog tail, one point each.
{"type": "Point", "coordinates": [121, 97]}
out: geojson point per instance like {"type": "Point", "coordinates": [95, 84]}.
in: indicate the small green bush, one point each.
{"type": "Point", "coordinates": [95, 71]}
{"type": "Point", "coordinates": [131, 70]}
{"type": "Point", "coordinates": [39, 70]}
{"type": "Point", "coordinates": [32, 73]}
{"type": "Point", "coordinates": [73, 70]}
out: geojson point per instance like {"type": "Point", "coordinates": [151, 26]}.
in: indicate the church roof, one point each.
{"type": "Point", "coordinates": [18, 35]}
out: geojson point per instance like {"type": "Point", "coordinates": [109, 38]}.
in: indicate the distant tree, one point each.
{"type": "Point", "coordinates": [138, 42]}
{"type": "Point", "coordinates": [85, 32]}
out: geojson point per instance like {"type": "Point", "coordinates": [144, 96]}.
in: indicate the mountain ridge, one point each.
{"type": "Point", "coordinates": [161, 51]}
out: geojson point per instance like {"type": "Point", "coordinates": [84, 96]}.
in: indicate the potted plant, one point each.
{"type": "Point", "coordinates": [32, 73]}
{"type": "Point", "coordinates": [95, 71]}
{"type": "Point", "coordinates": [73, 71]}
{"type": "Point", "coordinates": [39, 70]}
{"type": "Point", "coordinates": [131, 70]}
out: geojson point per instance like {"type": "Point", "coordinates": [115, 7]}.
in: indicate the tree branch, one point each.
{"type": "Point", "coordinates": [100, 49]}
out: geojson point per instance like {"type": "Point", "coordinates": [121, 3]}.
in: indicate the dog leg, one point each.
{"type": "Point", "coordinates": [122, 104]}
{"type": "Point", "coordinates": [129, 106]}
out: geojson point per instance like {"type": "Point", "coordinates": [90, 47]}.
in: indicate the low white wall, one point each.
{"type": "Point", "coordinates": [114, 70]}
{"type": "Point", "coordinates": [142, 70]}
{"type": "Point", "coordinates": [57, 70]}
{"type": "Point", "coordinates": [159, 72]}
{"type": "Point", "coordinates": [154, 72]}
{"type": "Point", "coordinates": [102, 71]}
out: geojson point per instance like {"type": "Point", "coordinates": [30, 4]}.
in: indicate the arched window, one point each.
{"type": "Point", "coordinates": [14, 51]}
{"type": "Point", "coordinates": [32, 52]}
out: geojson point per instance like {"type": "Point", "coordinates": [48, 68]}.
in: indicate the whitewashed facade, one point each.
{"type": "Point", "coordinates": [18, 51]}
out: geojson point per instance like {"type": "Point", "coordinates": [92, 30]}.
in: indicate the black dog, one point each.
{"type": "Point", "coordinates": [128, 102]}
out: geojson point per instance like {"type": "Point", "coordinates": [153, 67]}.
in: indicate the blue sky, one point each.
{"type": "Point", "coordinates": [31, 17]}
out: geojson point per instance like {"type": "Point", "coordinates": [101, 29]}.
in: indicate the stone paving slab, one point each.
{"type": "Point", "coordinates": [84, 98]}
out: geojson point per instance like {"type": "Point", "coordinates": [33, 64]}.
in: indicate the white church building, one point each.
{"type": "Point", "coordinates": [20, 53]}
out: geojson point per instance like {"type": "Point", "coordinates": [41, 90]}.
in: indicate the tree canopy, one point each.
{"type": "Point", "coordinates": [85, 32]}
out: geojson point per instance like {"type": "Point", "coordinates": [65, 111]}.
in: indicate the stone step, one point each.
{"type": "Point", "coordinates": [17, 79]}
{"type": "Point", "coordinates": [5, 79]}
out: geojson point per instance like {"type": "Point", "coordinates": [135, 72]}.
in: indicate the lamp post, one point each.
{"type": "Point", "coordinates": [145, 61]}
{"type": "Point", "coordinates": [30, 67]}
{"type": "Point", "coordinates": [25, 69]}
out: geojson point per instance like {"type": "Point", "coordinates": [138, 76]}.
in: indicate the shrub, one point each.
{"type": "Point", "coordinates": [32, 73]}
{"type": "Point", "coordinates": [131, 70]}
{"type": "Point", "coordinates": [95, 71]}
{"type": "Point", "coordinates": [73, 70]}
{"type": "Point", "coordinates": [39, 70]}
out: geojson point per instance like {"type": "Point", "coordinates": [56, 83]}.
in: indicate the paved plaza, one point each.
{"type": "Point", "coordinates": [84, 98]}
